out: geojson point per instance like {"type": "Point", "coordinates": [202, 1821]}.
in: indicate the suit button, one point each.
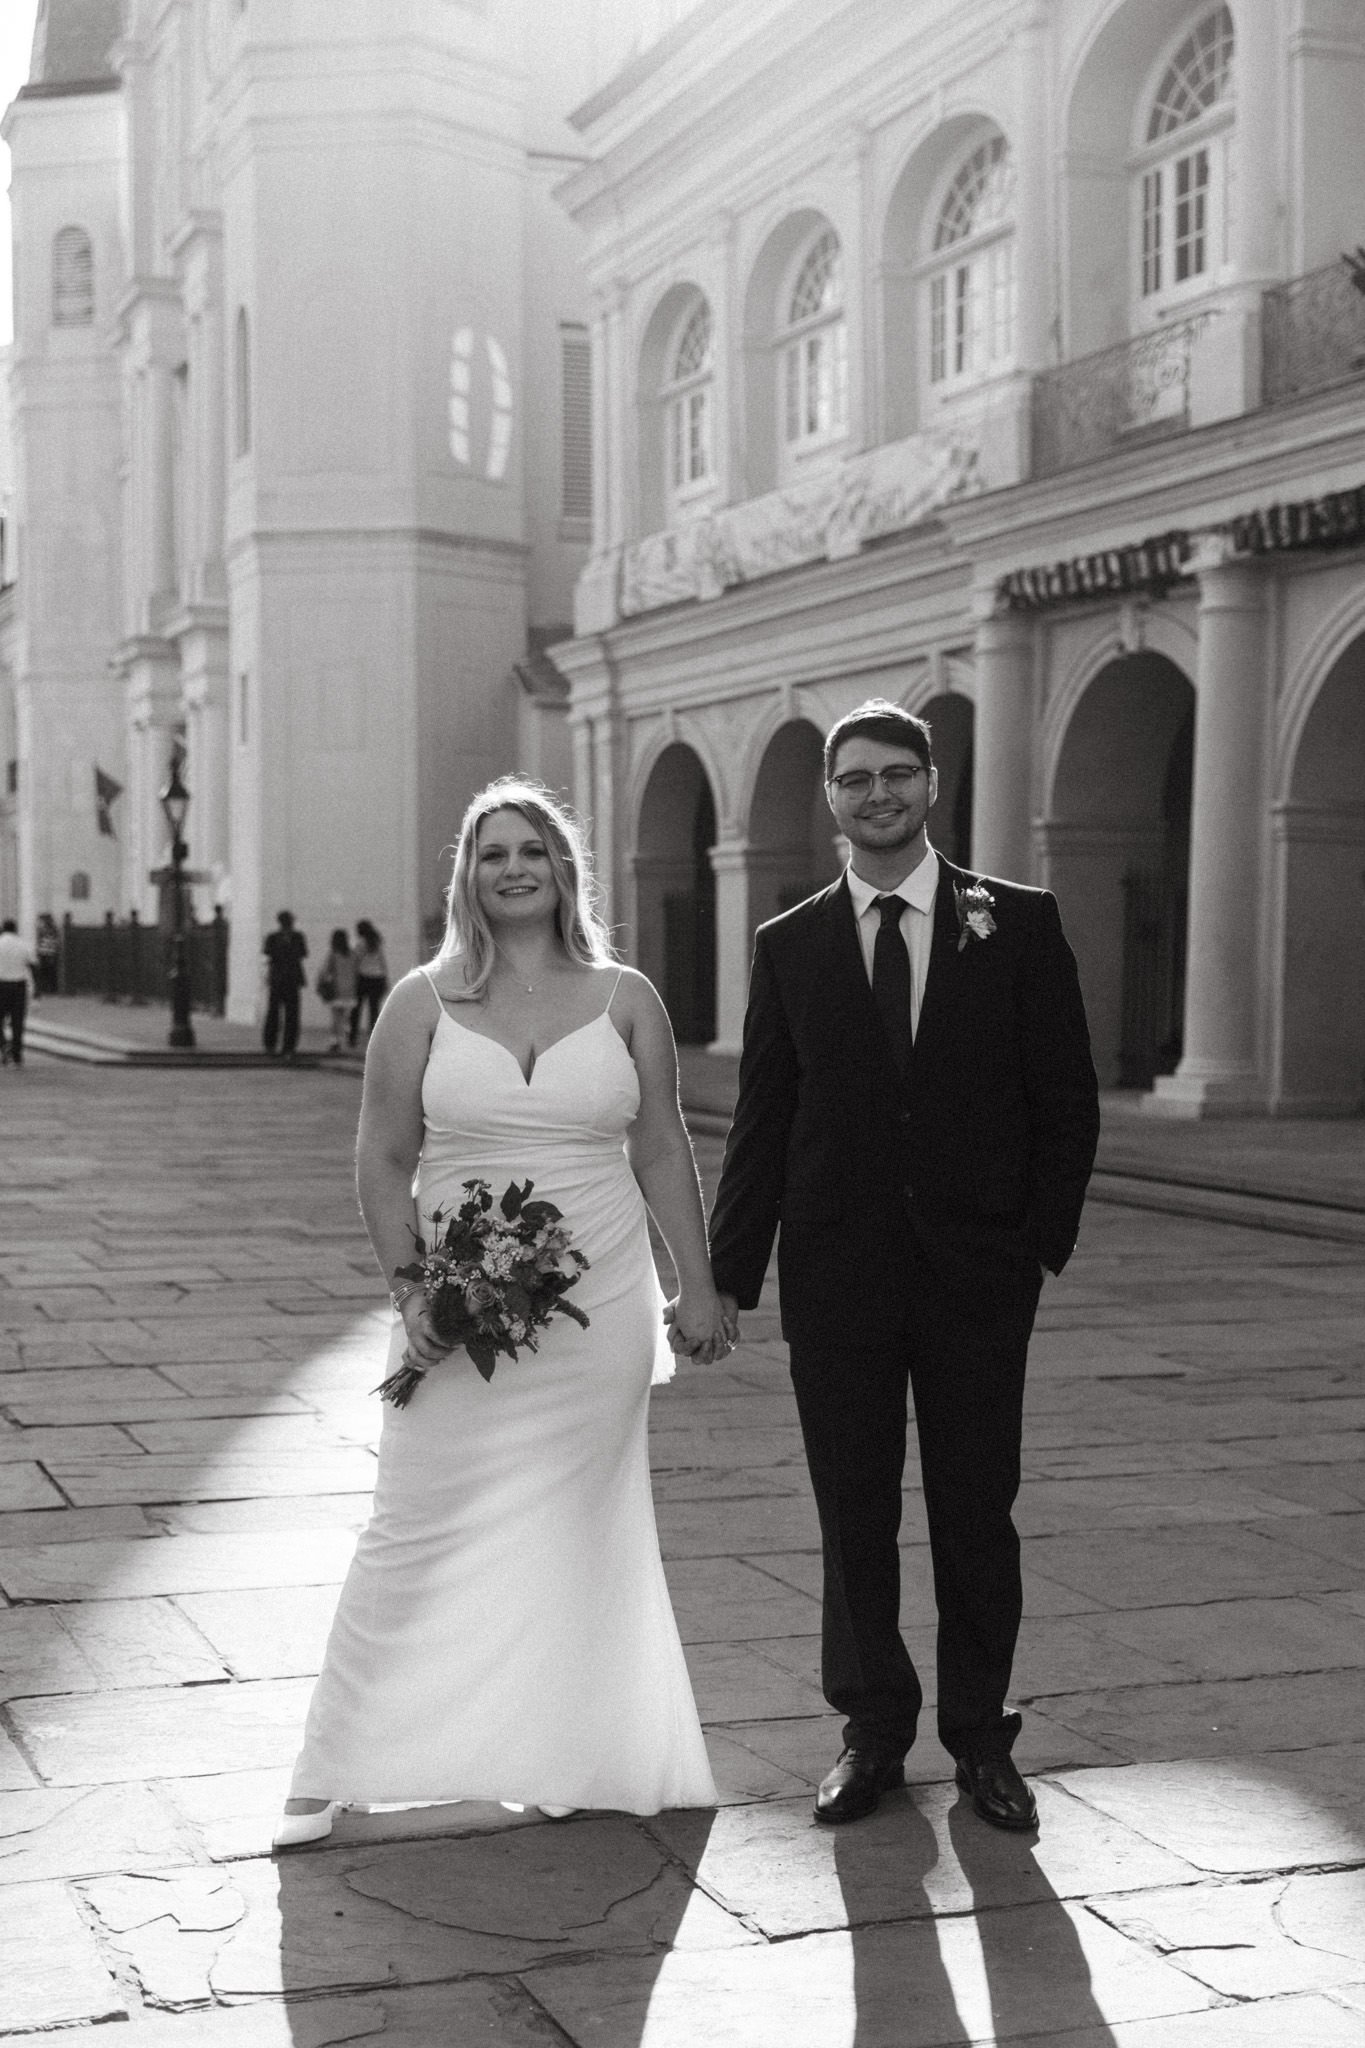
{"type": "Point", "coordinates": [909, 1192]}
{"type": "Point", "coordinates": [905, 1116]}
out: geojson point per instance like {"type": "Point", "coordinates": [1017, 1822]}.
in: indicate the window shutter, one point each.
{"type": "Point", "coordinates": [575, 358]}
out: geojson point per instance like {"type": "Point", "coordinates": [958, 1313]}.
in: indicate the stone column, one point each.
{"type": "Point", "coordinates": [730, 861]}
{"type": "Point", "coordinates": [1002, 747]}
{"type": "Point", "coordinates": [154, 713]}
{"type": "Point", "coordinates": [1225, 362]}
{"type": "Point", "coordinates": [851, 159]}
{"type": "Point", "coordinates": [1030, 145]}
{"type": "Point", "coordinates": [1256, 193]}
{"type": "Point", "coordinates": [1220, 1070]}
{"type": "Point", "coordinates": [604, 821]}
{"type": "Point", "coordinates": [725, 353]}
{"type": "Point", "coordinates": [162, 573]}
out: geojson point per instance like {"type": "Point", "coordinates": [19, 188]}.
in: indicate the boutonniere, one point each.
{"type": "Point", "coordinates": [974, 906]}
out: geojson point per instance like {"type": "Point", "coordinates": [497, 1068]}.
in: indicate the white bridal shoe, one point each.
{"type": "Point", "coordinates": [297, 1828]}
{"type": "Point", "coordinates": [558, 1812]}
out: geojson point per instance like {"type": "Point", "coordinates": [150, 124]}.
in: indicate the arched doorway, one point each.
{"type": "Point", "coordinates": [950, 719]}
{"type": "Point", "coordinates": [1116, 844]}
{"type": "Point", "coordinates": [792, 849]}
{"type": "Point", "coordinates": [675, 892]}
{"type": "Point", "coordinates": [1322, 833]}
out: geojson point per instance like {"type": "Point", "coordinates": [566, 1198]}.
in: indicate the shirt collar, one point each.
{"type": "Point", "coordinates": [918, 889]}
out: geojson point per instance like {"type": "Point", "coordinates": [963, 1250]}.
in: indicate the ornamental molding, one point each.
{"type": "Point", "coordinates": [823, 518]}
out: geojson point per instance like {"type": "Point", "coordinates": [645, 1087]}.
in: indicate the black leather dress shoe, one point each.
{"type": "Point", "coordinates": [856, 1783]}
{"type": "Point", "coordinates": [997, 1791]}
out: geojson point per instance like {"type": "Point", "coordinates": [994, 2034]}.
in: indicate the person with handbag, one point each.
{"type": "Point", "coordinates": [336, 985]}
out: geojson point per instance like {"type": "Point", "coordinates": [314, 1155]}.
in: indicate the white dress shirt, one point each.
{"type": "Point", "coordinates": [15, 957]}
{"type": "Point", "coordinates": [917, 892]}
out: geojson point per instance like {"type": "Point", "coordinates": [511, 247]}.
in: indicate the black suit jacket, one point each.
{"type": "Point", "coordinates": [981, 1154]}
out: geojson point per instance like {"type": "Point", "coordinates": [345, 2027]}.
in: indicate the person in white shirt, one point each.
{"type": "Point", "coordinates": [16, 968]}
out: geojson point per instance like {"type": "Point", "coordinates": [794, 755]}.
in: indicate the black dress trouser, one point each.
{"type": "Point", "coordinates": [281, 1020]}
{"type": "Point", "coordinates": [13, 1005]}
{"type": "Point", "coordinates": [966, 1376]}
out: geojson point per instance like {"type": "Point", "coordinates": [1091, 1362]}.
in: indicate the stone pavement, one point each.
{"type": "Point", "coordinates": [189, 1324]}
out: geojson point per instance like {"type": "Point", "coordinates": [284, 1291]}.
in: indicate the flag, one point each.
{"type": "Point", "coordinates": [106, 792]}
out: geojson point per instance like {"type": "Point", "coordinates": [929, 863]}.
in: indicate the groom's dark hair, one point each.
{"type": "Point", "coordinates": [879, 719]}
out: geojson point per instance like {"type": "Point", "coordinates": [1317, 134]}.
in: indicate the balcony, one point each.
{"type": "Point", "coordinates": [1120, 397]}
{"type": "Point", "coordinates": [1312, 333]}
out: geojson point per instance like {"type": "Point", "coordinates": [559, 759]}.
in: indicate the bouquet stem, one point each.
{"type": "Point", "coordinates": [400, 1386]}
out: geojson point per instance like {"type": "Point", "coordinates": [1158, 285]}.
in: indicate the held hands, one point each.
{"type": "Point", "coordinates": [424, 1346]}
{"type": "Point", "coordinates": [702, 1326]}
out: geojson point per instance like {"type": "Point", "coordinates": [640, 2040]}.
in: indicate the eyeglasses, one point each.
{"type": "Point", "coordinates": [858, 782]}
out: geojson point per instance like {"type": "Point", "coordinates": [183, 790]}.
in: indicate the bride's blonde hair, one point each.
{"type": "Point", "coordinates": [578, 922]}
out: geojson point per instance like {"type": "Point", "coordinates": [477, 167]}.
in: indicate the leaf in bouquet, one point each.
{"type": "Point", "coordinates": [484, 1353]}
{"type": "Point", "coordinates": [571, 1308]}
{"type": "Point", "coordinates": [537, 1214]}
{"type": "Point", "coordinates": [516, 1300]}
{"type": "Point", "coordinates": [513, 1198]}
{"type": "Point", "coordinates": [416, 1271]}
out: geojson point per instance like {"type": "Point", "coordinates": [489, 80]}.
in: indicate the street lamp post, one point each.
{"type": "Point", "coordinates": [175, 802]}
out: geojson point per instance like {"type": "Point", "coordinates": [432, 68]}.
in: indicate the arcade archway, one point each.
{"type": "Point", "coordinates": [1116, 849]}
{"type": "Point", "coordinates": [791, 833]}
{"type": "Point", "coordinates": [951, 718]}
{"type": "Point", "coordinates": [1322, 834]}
{"type": "Point", "coordinates": [675, 892]}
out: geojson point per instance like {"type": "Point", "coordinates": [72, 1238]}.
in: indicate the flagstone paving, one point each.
{"type": "Point", "coordinates": [190, 1326]}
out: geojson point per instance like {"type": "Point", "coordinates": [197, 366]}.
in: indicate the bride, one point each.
{"type": "Point", "coordinates": [505, 1632]}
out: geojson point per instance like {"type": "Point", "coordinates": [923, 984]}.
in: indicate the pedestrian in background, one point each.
{"type": "Point", "coordinates": [16, 967]}
{"type": "Point", "coordinates": [371, 977]}
{"type": "Point", "coordinates": [48, 947]}
{"type": "Point", "coordinates": [285, 952]}
{"type": "Point", "coordinates": [336, 984]}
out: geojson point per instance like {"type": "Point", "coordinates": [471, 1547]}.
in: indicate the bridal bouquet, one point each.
{"type": "Point", "coordinates": [492, 1277]}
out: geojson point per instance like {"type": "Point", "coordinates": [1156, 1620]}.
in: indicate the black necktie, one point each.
{"type": "Point", "coordinates": [891, 983]}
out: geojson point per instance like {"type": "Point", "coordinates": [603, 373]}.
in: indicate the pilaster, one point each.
{"type": "Point", "coordinates": [1220, 1072]}
{"type": "Point", "coordinates": [1002, 751]}
{"type": "Point", "coordinates": [731, 862]}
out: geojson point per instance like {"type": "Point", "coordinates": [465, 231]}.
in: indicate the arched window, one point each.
{"type": "Point", "coordinates": [1183, 176]}
{"type": "Point", "coordinates": [813, 348]}
{"type": "Point", "coordinates": [241, 384]}
{"type": "Point", "coordinates": [971, 281]}
{"type": "Point", "coordinates": [73, 279]}
{"type": "Point", "coordinates": [688, 408]}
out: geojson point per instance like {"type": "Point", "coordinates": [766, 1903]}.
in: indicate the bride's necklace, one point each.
{"type": "Point", "coordinates": [518, 978]}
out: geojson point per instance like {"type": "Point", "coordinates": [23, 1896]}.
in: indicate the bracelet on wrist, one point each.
{"type": "Point", "coordinates": [398, 1296]}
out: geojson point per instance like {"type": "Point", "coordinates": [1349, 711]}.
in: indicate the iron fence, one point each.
{"type": "Point", "coordinates": [1135, 391]}
{"type": "Point", "coordinates": [1312, 333]}
{"type": "Point", "coordinates": [126, 961]}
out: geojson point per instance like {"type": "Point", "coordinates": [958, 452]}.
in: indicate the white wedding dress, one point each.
{"type": "Point", "coordinates": [505, 1631]}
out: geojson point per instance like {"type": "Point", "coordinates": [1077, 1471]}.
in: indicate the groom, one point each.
{"type": "Point", "coordinates": [918, 1115]}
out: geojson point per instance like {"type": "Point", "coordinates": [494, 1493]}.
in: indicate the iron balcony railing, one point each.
{"type": "Point", "coordinates": [1134, 391]}
{"type": "Point", "coordinates": [1312, 332]}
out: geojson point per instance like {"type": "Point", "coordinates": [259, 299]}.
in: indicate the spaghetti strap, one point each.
{"type": "Point", "coordinates": [426, 975]}
{"type": "Point", "coordinates": [620, 976]}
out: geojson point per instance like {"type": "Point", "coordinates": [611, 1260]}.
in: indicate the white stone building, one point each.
{"type": "Point", "coordinates": [996, 356]}
{"type": "Point", "coordinates": [300, 408]}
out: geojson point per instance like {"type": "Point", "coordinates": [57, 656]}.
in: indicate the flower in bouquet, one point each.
{"type": "Point", "coordinates": [492, 1277]}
